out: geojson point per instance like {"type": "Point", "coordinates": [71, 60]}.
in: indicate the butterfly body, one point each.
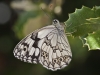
{"type": "Point", "coordinates": [48, 46]}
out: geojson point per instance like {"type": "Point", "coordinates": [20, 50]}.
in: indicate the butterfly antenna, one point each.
{"type": "Point", "coordinates": [45, 13]}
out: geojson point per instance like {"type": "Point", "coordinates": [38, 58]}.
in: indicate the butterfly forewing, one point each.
{"type": "Point", "coordinates": [48, 46]}
{"type": "Point", "coordinates": [29, 48]}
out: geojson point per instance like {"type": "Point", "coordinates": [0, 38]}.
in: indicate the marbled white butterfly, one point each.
{"type": "Point", "coordinates": [48, 46]}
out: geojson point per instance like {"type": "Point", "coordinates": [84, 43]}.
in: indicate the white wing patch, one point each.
{"type": "Point", "coordinates": [48, 46]}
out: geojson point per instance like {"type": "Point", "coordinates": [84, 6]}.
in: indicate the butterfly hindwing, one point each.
{"type": "Point", "coordinates": [55, 51]}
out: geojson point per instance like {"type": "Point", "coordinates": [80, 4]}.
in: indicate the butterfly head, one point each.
{"type": "Point", "coordinates": [55, 22]}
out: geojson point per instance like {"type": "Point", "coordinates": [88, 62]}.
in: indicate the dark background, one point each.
{"type": "Point", "coordinates": [84, 62]}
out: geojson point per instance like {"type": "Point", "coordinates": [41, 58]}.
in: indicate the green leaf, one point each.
{"type": "Point", "coordinates": [79, 23]}
{"type": "Point", "coordinates": [85, 22]}
{"type": "Point", "coordinates": [92, 25]}
{"type": "Point", "coordinates": [93, 41]}
{"type": "Point", "coordinates": [94, 20]}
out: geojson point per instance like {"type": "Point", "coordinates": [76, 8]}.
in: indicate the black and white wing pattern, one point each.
{"type": "Point", "coordinates": [48, 46]}
{"type": "Point", "coordinates": [29, 48]}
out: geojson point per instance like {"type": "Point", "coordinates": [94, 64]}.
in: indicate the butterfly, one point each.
{"type": "Point", "coordinates": [48, 46]}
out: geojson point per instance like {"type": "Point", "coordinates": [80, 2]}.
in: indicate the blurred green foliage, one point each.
{"type": "Point", "coordinates": [23, 18]}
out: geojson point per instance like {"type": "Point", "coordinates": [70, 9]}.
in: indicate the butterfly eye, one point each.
{"type": "Point", "coordinates": [55, 21]}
